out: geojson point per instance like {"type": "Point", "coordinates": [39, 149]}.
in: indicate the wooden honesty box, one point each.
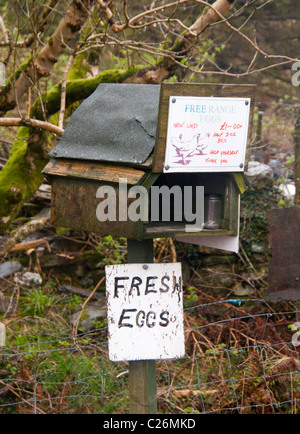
{"type": "Point", "coordinates": [127, 135]}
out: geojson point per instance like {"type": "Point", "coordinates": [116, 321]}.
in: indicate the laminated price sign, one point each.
{"type": "Point", "coordinates": [145, 311]}
{"type": "Point", "coordinates": [207, 134]}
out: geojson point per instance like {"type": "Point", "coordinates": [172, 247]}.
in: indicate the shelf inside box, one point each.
{"type": "Point", "coordinates": [159, 229]}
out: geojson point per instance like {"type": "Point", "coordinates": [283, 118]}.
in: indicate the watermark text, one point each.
{"type": "Point", "coordinates": [164, 203]}
{"type": "Point", "coordinates": [296, 75]}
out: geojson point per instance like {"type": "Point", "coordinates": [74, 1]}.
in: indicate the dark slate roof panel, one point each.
{"type": "Point", "coordinates": [117, 123]}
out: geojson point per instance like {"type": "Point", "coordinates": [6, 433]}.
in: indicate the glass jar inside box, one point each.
{"type": "Point", "coordinates": [212, 211]}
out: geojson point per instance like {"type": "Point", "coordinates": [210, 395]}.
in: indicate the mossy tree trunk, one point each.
{"type": "Point", "coordinates": [21, 176]}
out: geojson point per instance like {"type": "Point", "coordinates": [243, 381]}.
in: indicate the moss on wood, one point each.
{"type": "Point", "coordinates": [21, 176]}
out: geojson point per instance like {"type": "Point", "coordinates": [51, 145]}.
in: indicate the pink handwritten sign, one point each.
{"type": "Point", "coordinates": [207, 134]}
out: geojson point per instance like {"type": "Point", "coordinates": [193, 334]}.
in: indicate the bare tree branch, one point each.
{"type": "Point", "coordinates": [109, 15]}
{"type": "Point", "coordinates": [215, 14]}
{"type": "Point", "coordinates": [218, 10]}
{"type": "Point", "coordinates": [26, 122]}
{"type": "Point", "coordinates": [4, 31]}
{"type": "Point", "coordinates": [166, 67]}
{"type": "Point", "coordinates": [64, 36]}
{"type": "Point", "coordinates": [63, 90]}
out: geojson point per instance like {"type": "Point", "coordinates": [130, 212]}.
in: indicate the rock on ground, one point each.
{"type": "Point", "coordinates": [10, 267]}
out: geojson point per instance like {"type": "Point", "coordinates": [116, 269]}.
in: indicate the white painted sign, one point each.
{"type": "Point", "coordinates": [207, 134]}
{"type": "Point", "coordinates": [145, 311]}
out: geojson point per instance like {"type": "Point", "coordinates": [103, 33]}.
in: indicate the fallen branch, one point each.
{"type": "Point", "coordinates": [30, 245]}
{"type": "Point", "coordinates": [14, 244]}
{"type": "Point", "coordinates": [76, 291]}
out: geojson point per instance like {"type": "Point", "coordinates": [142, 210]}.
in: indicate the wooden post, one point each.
{"type": "Point", "coordinates": [142, 374]}
{"type": "Point", "coordinates": [142, 387]}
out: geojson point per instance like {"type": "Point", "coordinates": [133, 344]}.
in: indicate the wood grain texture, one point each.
{"type": "Point", "coordinates": [74, 206]}
{"type": "Point", "coordinates": [93, 171]}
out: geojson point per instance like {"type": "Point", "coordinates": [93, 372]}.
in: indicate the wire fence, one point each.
{"type": "Point", "coordinates": [244, 362]}
{"type": "Point", "coordinates": [242, 356]}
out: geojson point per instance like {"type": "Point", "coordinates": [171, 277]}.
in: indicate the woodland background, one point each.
{"type": "Point", "coordinates": [53, 55]}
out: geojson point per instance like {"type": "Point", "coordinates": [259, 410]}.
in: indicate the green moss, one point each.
{"type": "Point", "coordinates": [21, 139]}
{"type": "Point", "coordinates": [20, 177]}
{"type": "Point", "coordinates": [79, 68]}
{"type": "Point", "coordinates": [55, 118]}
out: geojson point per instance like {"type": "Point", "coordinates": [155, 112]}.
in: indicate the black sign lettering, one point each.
{"type": "Point", "coordinates": [141, 322]}
{"type": "Point", "coordinates": [150, 285]}
{"type": "Point", "coordinates": [135, 283]}
{"type": "Point", "coordinates": [164, 287]}
{"type": "Point", "coordinates": [117, 286]}
{"type": "Point", "coordinates": [149, 315]}
{"type": "Point", "coordinates": [177, 286]}
{"type": "Point", "coordinates": [122, 317]}
{"type": "Point", "coordinates": [164, 316]}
